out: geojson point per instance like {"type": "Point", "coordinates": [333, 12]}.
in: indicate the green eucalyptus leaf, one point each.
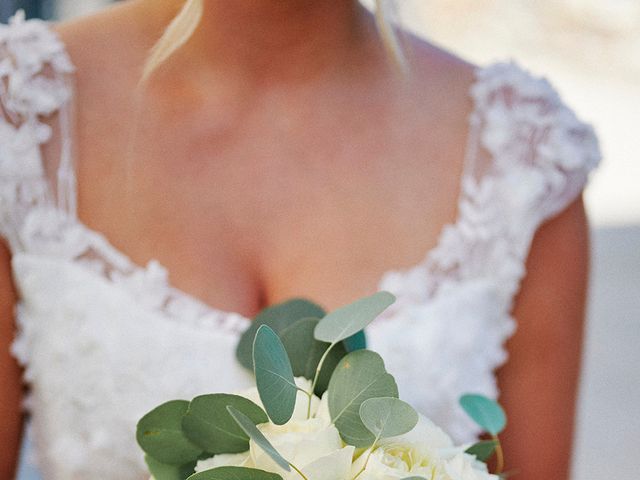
{"type": "Point", "coordinates": [485, 412]}
{"type": "Point", "coordinates": [234, 473]}
{"type": "Point", "coordinates": [359, 376]}
{"type": "Point", "coordinates": [483, 450]}
{"type": "Point", "coordinates": [162, 471]}
{"type": "Point", "coordinates": [388, 416]}
{"type": "Point", "coordinates": [208, 424]}
{"type": "Point", "coordinates": [274, 376]}
{"type": "Point", "coordinates": [256, 435]}
{"type": "Point", "coordinates": [277, 317]}
{"type": "Point", "coordinates": [350, 319]}
{"type": "Point", "coordinates": [305, 352]}
{"type": "Point", "coordinates": [357, 341]}
{"type": "Point", "coordinates": [160, 435]}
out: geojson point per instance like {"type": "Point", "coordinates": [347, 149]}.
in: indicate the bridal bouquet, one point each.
{"type": "Point", "coordinates": [324, 408]}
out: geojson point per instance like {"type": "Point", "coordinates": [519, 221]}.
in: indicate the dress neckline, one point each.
{"type": "Point", "coordinates": [156, 271]}
{"type": "Point", "coordinates": [238, 318]}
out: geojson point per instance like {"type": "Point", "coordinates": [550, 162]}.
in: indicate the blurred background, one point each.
{"type": "Point", "coordinates": [590, 50]}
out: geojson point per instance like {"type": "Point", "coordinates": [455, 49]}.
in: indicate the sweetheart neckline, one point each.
{"type": "Point", "coordinates": [207, 308]}
{"type": "Point", "coordinates": [210, 308]}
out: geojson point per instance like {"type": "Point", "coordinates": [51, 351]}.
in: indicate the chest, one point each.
{"type": "Point", "coordinates": [247, 203]}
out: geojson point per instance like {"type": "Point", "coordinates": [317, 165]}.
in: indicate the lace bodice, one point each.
{"type": "Point", "coordinates": [103, 340]}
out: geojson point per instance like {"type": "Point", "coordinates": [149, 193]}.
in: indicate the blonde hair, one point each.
{"type": "Point", "coordinates": [175, 36]}
{"type": "Point", "coordinates": [185, 23]}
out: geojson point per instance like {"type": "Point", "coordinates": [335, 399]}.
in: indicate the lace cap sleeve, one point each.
{"type": "Point", "coordinates": [529, 156]}
{"type": "Point", "coordinates": [35, 92]}
{"type": "Point", "coordinates": [533, 141]}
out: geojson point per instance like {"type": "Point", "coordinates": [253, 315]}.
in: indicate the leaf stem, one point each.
{"type": "Point", "coordinates": [298, 470]}
{"type": "Point", "coordinates": [366, 462]}
{"type": "Point", "coordinates": [317, 376]}
{"type": "Point", "coordinates": [499, 455]}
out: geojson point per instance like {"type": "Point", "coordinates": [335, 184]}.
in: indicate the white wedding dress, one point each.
{"type": "Point", "coordinates": [103, 340]}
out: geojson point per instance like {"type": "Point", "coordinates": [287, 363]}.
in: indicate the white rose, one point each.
{"type": "Point", "coordinates": [311, 444]}
{"type": "Point", "coordinates": [314, 446]}
{"type": "Point", "coordinates": [463, 466]}
{"type": "Point", "coordinates": [426, 451]}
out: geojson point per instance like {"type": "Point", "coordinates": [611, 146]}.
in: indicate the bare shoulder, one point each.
{"type": "Point", "coordinates": [109, 42]}
{"type": "Point", "coordinates": [104, 25]}
{"type": "Point", "coordinates": [441, 82]}
{"type": "Point", "coordinates": [434, 65]}
{"type": "Point", "coordinates": [428, 58]}
{"type": "Point", "coordinates": [438, 105]}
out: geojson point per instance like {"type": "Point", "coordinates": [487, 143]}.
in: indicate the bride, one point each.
{"type": "Point", "coordinates": [269, 150]}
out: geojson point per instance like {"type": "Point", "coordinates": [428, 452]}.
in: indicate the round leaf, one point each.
{"type": "Point", "coordinates": [387, 416]}
{"type": "Point", "coordinates": [485, 412]}
{"type": "Point", "coordinates": [208, 424]}
{"type": "Point", "coordinates": [277, 317]}
{"type": "Point", "coordinates": [256, 435]}
{"type": "Point", "coordinates": [274, 376]}
{"type": "Point", "coordinates": [160, 435]}
{"type": "Point", "coordinates": [162, 471]}
{"type": "Point", "coordinates": [305, 352]}
{"type": "Point", "coordinates": [483, 450]}
{"type": "Point", "coordinates": [359, 376]}
{"type": "Point", "coordinates": [235, 473]}
{"type": "Point", "coordinates": [346, 321]}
